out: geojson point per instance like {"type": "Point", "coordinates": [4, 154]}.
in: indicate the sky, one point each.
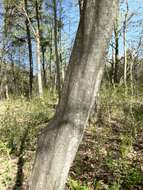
{"type": "Point", "coordinates": [71, 13]}
{"type": "Point", "coordinates": [71, 19]}
{"type": "Point", "coordinates": [136, 26]}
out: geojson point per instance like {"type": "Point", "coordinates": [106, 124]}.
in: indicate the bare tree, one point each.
{"type": "Point", "coordinates": [59, 141]}
{"type": "Point", "coordinates": [30, 50]}
{"type": "Point", "coordinates": [38, 49]}
{"type": "Point", "coordinates": [116, 36]}
{"type": "Point", "coordinates": [56, 47]}
{"type": "Point", "coordinates": [36, 33]}
{"type": "Point", "coordinates": [124, 41]}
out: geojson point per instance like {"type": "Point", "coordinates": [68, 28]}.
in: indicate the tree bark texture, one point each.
{"type": "Point", "coordinates": [38, 50]}
{"type": "Point", "coordinates": [116, 34]}
{"type": "Point", "coordinates": [44, 69]}
{"type": "Point", "coordinates": [59, 141]}
{"type": "Point", "coordinates": [30, 51]}
{"type": "Point", "coordinates": [125, 48]}
{"type": "Point", "coordinates": [39, 72]}
{"type": "Point", "coordinates": [58, 85]}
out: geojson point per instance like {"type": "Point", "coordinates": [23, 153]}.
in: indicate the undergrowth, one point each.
{"type": "Point", "coordinates": [20, 122]}
{"type": "Point", "coordinates": [110, 156]}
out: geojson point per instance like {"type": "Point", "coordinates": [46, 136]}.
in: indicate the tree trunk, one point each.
{"type": "Point", "coordinates": [6, 92]}
{"type": "Point", "coordinates": [125, 48]}
{"type": "Point", "coordinates": [38, 51]}
{"type": "Point", "coordinates": [131, 76]}
{"type": "Point", "coordinates": [59, 141]}
{"type": "Point", "coordinates": [125, 59]}
{"type": "Point", "coordinates": [50, 61]}
{"type": "Point", "coordinates": [13, 75]}
{"type": "Point", "coordinates": [56, 48]}
{"type": "Point", "coordinates": [116, 33]}
{"type": "Point", "coordinates": [112, 65]}
{"type": "Point", "coordinates": [40, 88]}
{"type": "Point", "coordinates": [44, 69]}
{"type": "Point", "coordinates": [30, 52]}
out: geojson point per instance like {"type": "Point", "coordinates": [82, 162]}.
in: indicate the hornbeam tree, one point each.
{"type": "Point", "coordinates": [59, 141]}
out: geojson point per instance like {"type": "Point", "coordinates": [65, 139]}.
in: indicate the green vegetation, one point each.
{"type": "Point", "coordinates": [6, 175]}
{"type": "Point", "coordinates": [21, 115]}
{"type": "Point", "coordinates": [35, 45]}
{"type": "Point", "coordinates": [109, 158]}
{"type": "Point", "coordinates": [21, 121]}
{"type": "Point", "coordinates": [74, 185]}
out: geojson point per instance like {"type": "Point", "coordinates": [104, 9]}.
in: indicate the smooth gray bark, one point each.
{"type": "Point", "coordinates": [59, 141]}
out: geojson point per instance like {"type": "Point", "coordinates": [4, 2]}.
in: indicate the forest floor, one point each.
{"type": "Point", "coordinates": [110, 156]}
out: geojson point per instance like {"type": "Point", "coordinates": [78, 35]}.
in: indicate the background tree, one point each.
{"type": "Point", "coordinates": [30, 50]}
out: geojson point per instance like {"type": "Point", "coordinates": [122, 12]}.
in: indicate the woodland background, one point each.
{"type": "Point", "coordinates": [36, 39]}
